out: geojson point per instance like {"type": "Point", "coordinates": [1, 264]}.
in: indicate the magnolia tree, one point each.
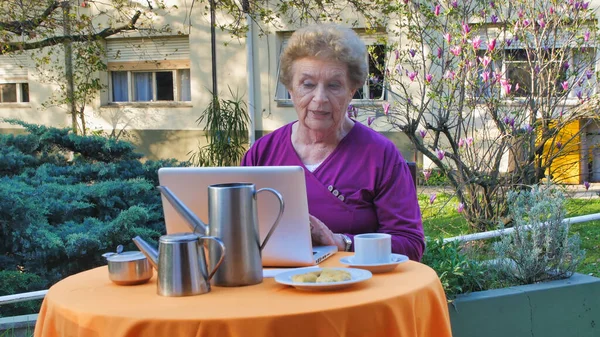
{"type": "Point", "coordinates": [484, 88]}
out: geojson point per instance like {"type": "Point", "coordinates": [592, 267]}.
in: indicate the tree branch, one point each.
{"type": "Point", "coordinates": [16, 46]}
{"type": "Point", "coordinates": [23, 27]}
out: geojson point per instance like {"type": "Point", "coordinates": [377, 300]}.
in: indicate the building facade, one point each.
{"type": "Point", "coordinates": [157, 86]}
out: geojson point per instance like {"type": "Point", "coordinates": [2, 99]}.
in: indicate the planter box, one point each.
{"type": "Point", "coordinates": [563, 308]}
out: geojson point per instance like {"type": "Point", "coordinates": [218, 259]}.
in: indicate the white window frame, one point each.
{"type": "Point", "coordinates": [282, 96]}
{"type": "Point", "coordinates": [149, 55]}
{"type": "Point", "coordinates": [19, 91]}
{"type": "Point", "coordinates": [503, 66]}
{"type": "Point", "coordinates": [130, 86]}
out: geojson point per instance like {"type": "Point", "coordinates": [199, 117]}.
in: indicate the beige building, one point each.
{"type": "Point", "coordinates": [158, 86]}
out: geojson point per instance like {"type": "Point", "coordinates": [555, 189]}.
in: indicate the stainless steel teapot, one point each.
{"type": "Point", "coordinates": [233, 218]}
{"type": "Point", "coordinates": [181, 264]}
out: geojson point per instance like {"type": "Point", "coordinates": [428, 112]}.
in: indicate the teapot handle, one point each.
{"type": "Point", "coordinates": [222, 255]}
{"type": "Point", "coordinates": [281, 207]}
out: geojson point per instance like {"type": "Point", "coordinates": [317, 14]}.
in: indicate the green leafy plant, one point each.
{"type": "Point", "coordinates": [226, 126]}
{"type": "Point", "coordinates": [458, 272]}
{"type": "Point", "coordinates": [540, 247]}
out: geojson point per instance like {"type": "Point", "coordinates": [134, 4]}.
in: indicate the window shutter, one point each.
{"type": "Point", "coordinates": [13, 68]}
{"type": "Point", "coordinates": [171, 52]}
{"type": "Point", "coordinates": [148, 49]}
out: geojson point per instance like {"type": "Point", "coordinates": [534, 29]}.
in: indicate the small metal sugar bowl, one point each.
{"type": "Point", "coordinates": [128, 268]}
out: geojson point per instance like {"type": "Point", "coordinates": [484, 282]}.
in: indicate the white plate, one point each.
{"type": "Point", "coordinates": [395, 259]}
{"type": "Point", "coordinates": [358, 275]}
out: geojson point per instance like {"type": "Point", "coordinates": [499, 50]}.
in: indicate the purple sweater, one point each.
{"type": "Point", "coordinates": [369, 172]}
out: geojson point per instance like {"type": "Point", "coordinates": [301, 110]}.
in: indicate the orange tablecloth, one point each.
{"type": "Point", "coordinates": [407, 302]}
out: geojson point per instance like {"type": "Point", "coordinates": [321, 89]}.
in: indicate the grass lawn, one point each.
{"type": "Point", "coordinates": [442, 219]}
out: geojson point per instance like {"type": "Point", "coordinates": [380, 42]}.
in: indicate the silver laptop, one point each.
{"type": "Point", "coordinates": [290, 244]}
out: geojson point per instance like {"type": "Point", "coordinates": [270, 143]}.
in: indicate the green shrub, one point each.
{"type": "Point", "coordinates": [544, 250]}
{"type": "Point", "coordinates": [16, 282]}
{"type": "Point", "coordinates": [458, 272]}
{"type": "Point", "coordinates": [66, 199]}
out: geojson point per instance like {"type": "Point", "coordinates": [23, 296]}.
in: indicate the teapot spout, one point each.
{"type": "Point", "coordinates": [150, 252]}
{"type": "Point", "coordinates": [195, 224]}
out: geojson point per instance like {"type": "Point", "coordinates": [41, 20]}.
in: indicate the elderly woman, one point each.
{"type": "Point", "coordinates": [357, 181]}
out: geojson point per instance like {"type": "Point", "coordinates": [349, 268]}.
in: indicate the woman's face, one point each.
{"type": "Point", "coordinates": [321, 92]}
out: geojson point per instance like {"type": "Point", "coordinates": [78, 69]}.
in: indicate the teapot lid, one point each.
{"type": "Point", "coordinates": [179, 238]}
{"type": "Point", "coordinates": [124, 256]}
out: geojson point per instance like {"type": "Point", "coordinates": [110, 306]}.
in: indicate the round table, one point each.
{"type": "Point", "coordinates": [407, 302]}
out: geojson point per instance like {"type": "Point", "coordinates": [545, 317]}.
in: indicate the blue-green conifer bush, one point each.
{"type": "Point", "coordinates": [64, 200]}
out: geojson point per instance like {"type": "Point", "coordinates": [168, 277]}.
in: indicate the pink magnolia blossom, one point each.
{"type": "Point", "coordinates": [454, 4]}
{"type": "Point", "coordinates": [423, 133]}
{"type": "Point", "coordinates": [386, 107]}
{"type": "Point", "coordinates": [436, 10]}
{"type": "Point", "coordinates": [466, 29]}
{"type": "Point", "coordinates": [551, 10]}
{"type": "Point", "coordinates": [492, 4]}
{"type": "Point", "coordinates": [558, 145]}
{"type": "Point", "coordinates": [426, 174]}
{"type": "Point", "coordinates": [476, 42]}
{"type": "Point", "coordinates": [370, 120]}
{"type": "Point", "coordinates": [412, 52]}
{"type": "Point", "coordinates": [440, 52]}
{"type": "Point", "coordinates": [589, 73]}
{"type": "Point", "coordinates": [398, 69]}
{"type": "Point", "coordinates": [460, 207]}
{"type": "Point", "coordinates": [412, 75]}
{"type": "Point", "coordinates": [440, 154]}
{"type": "Point", "coordinates": [432, 198]}
{"type": "Point", "coordinates": [461, 142]}
{"type": "Point", "coordinates": [397, 53]}
{"type": "Point", "coordinates": [485, 60]}
{"type": "Point", "coordinates": [456, 50]}
{"type": "Point", "coordinates": [494, 18]}
{"type": "Point", "coordinates": [517, 87]}
{"type": "Point", "coordinates": [506, 86]}
{"type": "Point", "coordinates": [450, 75]}
{"type": "Point", "coordinates": [586, 36]}
{"type": "Point", "coordinates": [528, 128]}
{"type": "Point", "coordinates": [428, 78]}
{"type": "Point", "coordinates": [492, 45]}
{"type": "Point", "coordinates": [448, 37]}
{"type": "Point", "coordinates": [565, 85]}
{"type": "Point", "coordinates": [587, 185]}
{"type": "Point", "coordinates": [509, 42]}
{"type": "Point", "coordinates": [541, 22]}
{"type": "Point", "coordinates": [485, 76]}
{"type": "Point", "coordinates": [469, 141]}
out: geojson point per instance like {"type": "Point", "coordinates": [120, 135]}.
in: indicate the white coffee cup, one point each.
{"type": "Point", "coordinates": [372, 248]}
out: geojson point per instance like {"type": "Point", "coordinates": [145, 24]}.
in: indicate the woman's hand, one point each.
{"type": "Point", "coordinates": [323, 236]}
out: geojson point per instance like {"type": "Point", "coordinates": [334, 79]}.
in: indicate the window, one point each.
{"type": "Point", "coordinates": [519, 66]}
{"type": "Point", "coordinates": [373, 88]}
{"type": "Point", "coordinates": [14, 92]}
{"type": "Point", "coordinates": [537, 71]}
{"type": "Point", "coordinates": [151, 86]}
{"type": "Point", "coordinates": [14, 87]}
{"type": "Point", "coordinates": [149, 70]}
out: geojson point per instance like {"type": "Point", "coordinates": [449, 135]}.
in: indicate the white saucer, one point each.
{"type": "Point", "coordinates": [395, 259]}
{"type": "Point", "coordinates": [357, 275]}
